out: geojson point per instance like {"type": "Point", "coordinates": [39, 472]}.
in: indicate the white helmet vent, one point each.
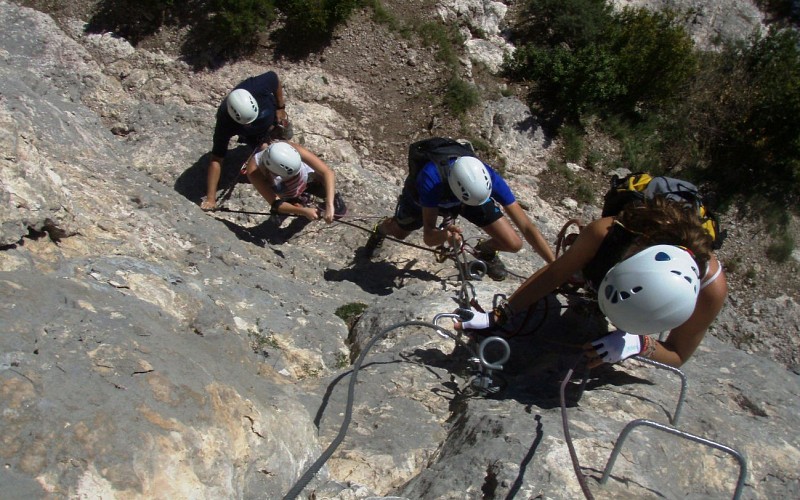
{"type": "Point", "coordinates": [652, 291]}
{"type": "Point", "coordinates": [242, 106]}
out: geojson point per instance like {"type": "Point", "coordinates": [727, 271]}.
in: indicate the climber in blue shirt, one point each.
{"type": "Point", "coordinates": [473, 190]}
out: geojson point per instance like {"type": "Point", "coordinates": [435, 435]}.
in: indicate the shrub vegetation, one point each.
{"type": "Point", "coordinates": [728, 118]}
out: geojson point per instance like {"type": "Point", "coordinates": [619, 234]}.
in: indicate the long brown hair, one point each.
{"type": "Point", "coordinates": [662, 222]}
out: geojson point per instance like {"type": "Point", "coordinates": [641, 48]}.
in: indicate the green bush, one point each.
{"type": "Point", "coordinates": [310, 23]}
{"type": "Point", "coordinates": [443, 38]}
{"type": "Point", "coordinates": [653, 55]}
{"type": "Point", "coordinates": [237, 23]}
{"type": "Point", "coordinates": [781, 249]}
{"type": "Point", "coordinates": [219, 30]}
{"type": "Point", "coordinates": [755, 155]}
{"type": "Point", "coordinates": [461, 96]}
{"type": "Point", "coordinates": [133, 19]}
{"type": "Point", "coordinates": [784, 9]}
{"type": "Point", "coordinates": [565, 84]}
{"type": "Point", "coordinates": [349, 313]}
{"type": "Point", "coordinates": [573, 23]}
{"type": "Point", "coordinates": [573, 144]}
{"type": "Point", "coordinates": [599, 62]}
{"type": "Point", "coordinates": [729, 119]}
{"type": "Point", "coordinates": [381, 15]}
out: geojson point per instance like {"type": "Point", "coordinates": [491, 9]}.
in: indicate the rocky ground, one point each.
{"type": "Point", "coordinates": [408, 83]}
{"type": "Point", "coordinates": [156, 350]}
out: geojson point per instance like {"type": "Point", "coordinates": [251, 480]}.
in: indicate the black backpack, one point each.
{"type": "Point", "coordinates": [640, 186]}
{"type": "Point", "coordinates": [439, 150]}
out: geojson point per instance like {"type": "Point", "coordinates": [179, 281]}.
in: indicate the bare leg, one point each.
{"type": "Point", "coordinates": [502, 237]}
{"type": "Point", "coordinates": [390, 227]}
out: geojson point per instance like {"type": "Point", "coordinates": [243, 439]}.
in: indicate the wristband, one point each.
{"type": "Point", "coordinates": [281, 107]}
{"type": "Point", "coordinates": [648, 346]}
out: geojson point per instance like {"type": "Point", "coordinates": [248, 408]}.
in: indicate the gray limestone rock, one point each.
{"type": "Point", "coordinates": [149, 349]}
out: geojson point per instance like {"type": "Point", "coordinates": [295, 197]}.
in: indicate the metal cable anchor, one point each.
{"type": "Point", "coordinates": [483, 381]}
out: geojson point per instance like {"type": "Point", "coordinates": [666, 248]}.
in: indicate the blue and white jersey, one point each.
{"type": "Point", "coordinates": [435, 191]}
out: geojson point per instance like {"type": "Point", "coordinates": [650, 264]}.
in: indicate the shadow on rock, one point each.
{"type": "Point", "coordinates": [545, 346]}
{"type": "Point", "coordinates": [268, 232]}
{"type": "Point", "coordinates": [379, 278]}
{"type": "Point", "coordinates": [192, 182]}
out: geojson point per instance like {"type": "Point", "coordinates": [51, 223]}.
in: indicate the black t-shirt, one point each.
{"type": "Point", "coordinates": [263, 87]}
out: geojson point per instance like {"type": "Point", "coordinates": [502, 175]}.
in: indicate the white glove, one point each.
{"type": "Point", "coordinates": [617, 345]}
{"type": "Point", "coordinates": [479, 321]}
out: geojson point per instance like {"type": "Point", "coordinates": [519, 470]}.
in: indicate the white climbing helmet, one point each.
{"type": "Point", "coordinates": [653, 291]}
{"type": "Point", "coordinates": [469, 180]}
{"type": "Point", "coordinates": [281, 159]}
{"type": "Point", "coordinates": [242, 106]}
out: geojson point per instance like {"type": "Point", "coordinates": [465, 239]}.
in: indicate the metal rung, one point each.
{"type": "Point", "coordinates": [676, 415]}
{"type": "Point", "coordinates": [691, 437]}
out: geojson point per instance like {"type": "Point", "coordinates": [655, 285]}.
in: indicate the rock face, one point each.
{"type": "Point", "coordinates": [150, 350]}
{"type": "Point", "coordinates": [708, 22]}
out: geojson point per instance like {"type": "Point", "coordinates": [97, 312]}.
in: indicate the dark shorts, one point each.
{"type": "Point", "coordinates": [408, 213]}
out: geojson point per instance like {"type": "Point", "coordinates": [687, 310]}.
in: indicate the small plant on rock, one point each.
{"type": "Point", "coordinates": [349, 313]}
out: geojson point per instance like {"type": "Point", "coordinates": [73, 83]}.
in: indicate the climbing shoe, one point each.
{"type": "Point", "coordinates": [495, 268]}
{"type": "Point", "coordinates": [374, 242]}
{"type": "Point", "coordinates": [339, 208]}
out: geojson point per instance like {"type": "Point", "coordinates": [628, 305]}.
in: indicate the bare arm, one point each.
{"type": "Point", "coordinates": [683, 340]}
{"type": "Point", "coordinates": [530, 232]}
{"type": "Point", "coordinates": [264, 188]}
{"type": "Point", "coordinates": [325, 173]}
{"type": "Point", "coordinates": [553, 275]}
{"type": "Point", "coordinates": [212, 181]}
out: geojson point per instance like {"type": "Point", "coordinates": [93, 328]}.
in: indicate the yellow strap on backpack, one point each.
{"type": "Point", "coordinates": [710, 228]}
{"type": "Point", "coordinates": [638, 182]}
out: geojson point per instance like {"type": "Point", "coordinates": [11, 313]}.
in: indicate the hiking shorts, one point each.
{"type": "Point", "coordinates": [408, 213]}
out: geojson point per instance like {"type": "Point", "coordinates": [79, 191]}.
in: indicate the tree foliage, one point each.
{"type": "Point", "coordinates": [234, 25]}
{"type": "Point", "coordinates": [581, 57]}
{"type": "Point", "coordinates": [574, 23]}
{"type": "Point", "coordinates": [756, 156]}
{"type": "Point", "coordinates": [654, 57]}
{"type": "Point", "coordinates": [223, 30]}
{"type": "Point", "coordinates": [730, 117]}
{"type": "Point", "coordinates": [310, 23]}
